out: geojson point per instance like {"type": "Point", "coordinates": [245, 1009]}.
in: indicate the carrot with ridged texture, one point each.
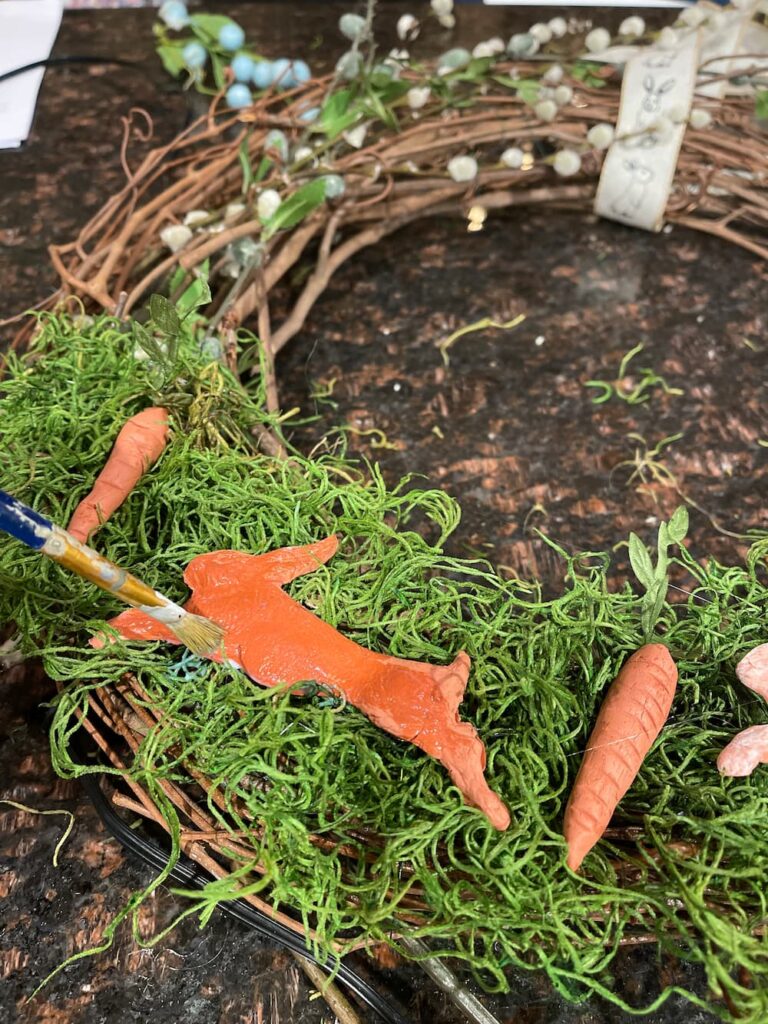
{"type": "Point", "coordinates": [138, 446]}
{"type": "Point", "coordinates": [631, 717]}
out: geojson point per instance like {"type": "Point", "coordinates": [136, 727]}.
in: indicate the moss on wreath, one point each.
{"type": "Point", "coordinates": [694, 876]}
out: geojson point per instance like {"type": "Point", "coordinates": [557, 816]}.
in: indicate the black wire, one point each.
{"type": "Point", "coordinates": [55, 61]}
{"type": "Point", "coordinates": [187, 873]}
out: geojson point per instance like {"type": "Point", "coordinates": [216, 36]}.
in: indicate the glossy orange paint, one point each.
{"type": "Point", "coordinates": [632, 715]}
{"type": "Point", "coordinates": [277, 641]}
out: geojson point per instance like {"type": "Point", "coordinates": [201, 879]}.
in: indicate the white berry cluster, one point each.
{"type": "Point", "coordinates": [549, 94]}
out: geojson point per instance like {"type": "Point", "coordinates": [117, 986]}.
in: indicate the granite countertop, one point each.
{"type": "Point", "coordinates": [508, 427]}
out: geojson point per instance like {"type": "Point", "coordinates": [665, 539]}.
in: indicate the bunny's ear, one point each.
{"type": "Point", "coordinates": [240, 569]}
{"type": "Point", "coordinates": [649, 83]}
{"type": "Point", "coordinates": [666, 86]}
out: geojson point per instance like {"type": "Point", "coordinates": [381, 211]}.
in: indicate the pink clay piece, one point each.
{"type": "Point", "coordinates": [745, 752]}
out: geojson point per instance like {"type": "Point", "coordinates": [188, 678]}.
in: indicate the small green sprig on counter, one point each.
{"type": "Point", "coordinates": [632, 394]}
{"type": "Point", "coordinates": [655, 578]}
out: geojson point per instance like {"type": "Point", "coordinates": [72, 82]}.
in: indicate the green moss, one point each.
{"type": "Point", "coordinates": [303, 768]}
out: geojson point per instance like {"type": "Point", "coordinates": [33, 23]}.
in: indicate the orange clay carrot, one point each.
{"type": "Point", "coordinates": [632, 716]}
{"type": "Point", "coordinates": [138, 446]}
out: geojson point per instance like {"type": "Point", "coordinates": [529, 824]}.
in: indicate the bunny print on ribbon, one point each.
{"type": "Point", "coordinates": [639, 167]}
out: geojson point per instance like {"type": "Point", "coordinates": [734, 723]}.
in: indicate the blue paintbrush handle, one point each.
{"type": "Point", "coordinates": [202, 636]}
{"type": "Point", "coordinates": [23, 523]}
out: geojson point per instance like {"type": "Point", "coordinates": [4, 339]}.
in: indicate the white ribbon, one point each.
{"type": "Point", "coordinates": [656, 96]}
{"type": "Point", "coordinates": [639, 168]}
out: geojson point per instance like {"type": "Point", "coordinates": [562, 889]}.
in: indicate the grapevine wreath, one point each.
{"type": "Point", "coordinates": [289, 797]}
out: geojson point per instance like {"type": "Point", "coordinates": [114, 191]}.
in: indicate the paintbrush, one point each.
{"type": "Point", "coordinates": [199, 634]}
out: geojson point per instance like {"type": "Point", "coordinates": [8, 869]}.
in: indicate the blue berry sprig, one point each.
{"type": "Point", "coordinates": [367, 91]}
{"type": "Point", "coordinates": [212, 52]}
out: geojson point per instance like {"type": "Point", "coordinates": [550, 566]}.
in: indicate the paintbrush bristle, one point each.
{"type": "Point", "coordinates": [199, 634]}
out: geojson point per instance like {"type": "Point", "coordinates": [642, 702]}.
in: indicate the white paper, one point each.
{"type": "Point", "coordinates": [28, 30]}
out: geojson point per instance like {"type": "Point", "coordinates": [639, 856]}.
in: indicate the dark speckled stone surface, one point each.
{"type": "Point", "coordinates": [508, 428]}
{"type": "Point", "coordinates": [541, 453]}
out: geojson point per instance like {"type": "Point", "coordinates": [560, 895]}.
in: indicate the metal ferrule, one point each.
{"type": "Point", "coordinates": [89, 564]}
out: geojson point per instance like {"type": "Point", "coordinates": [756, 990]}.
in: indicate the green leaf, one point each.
{"type": "Point", "coordinates": [209, 25]}
{"type": "Point", "coordinates": [678, 525]}
{"type": "Point", "coordinates": [263, 169]}
{"type": "Point", "coordinates": [761, 104]}
{"type": "Point", "coordinates": [336, 127]}
{"type": "Point", "coordinates": [653, 602]}
{"type": "Point", "coordinates": [145, 341]}
{"type": "Point", "coordinates": [380, 77]}
{"type": "Point", "coordinates": [378, 109]}
{"type": "Point", "coordinates": [473, 72]}
{"type": "Point", "coordinates": [218, 67]}
{"type": "Point", "coordinates": [335, 116]}
{"type": "Point", "coordinates": [528, 89]}
{"type": "Point", "coordinates": [588, 73]}
{"type": "Point", "coordinates": [640, 560]}
{"type": "Point", "coordinates": [198, 293]}
{"type": "Point", "coordinates": [177, 277]}
{"type": "Point", "coordinates": [245, 165]}
{"type": "Point", "coordinates": [663, 541]}
{"type": "Point", "coordinates": [655, 579]}
{"type": "Point", "coordinates": [173, 62]}
{"type": "Point", "coordinates": [662, 563]}
{"type": "Point", "coordinates": [164, 316]}
{"type": "Point", "coordinates": [336, 104]}
{"type": "Point", "coordinates": [296, 208]}
{"type": "Point", "coordinates": [379, 102]}
{"type": "Point", "coordinates": [394, 91]}
{"type": "Point", "coordinates": [173, 348]}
